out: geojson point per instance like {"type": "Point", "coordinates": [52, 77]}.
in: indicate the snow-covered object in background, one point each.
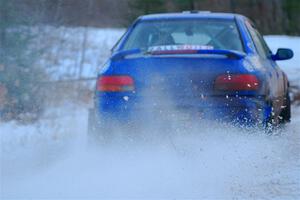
{"type": "Point", "coordinates": [72, 53]}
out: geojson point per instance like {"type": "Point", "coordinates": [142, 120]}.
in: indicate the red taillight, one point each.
{"type": "Point", "coordinates": [115, 83]}
{"type": "Point", "coordinates": [237, 82]}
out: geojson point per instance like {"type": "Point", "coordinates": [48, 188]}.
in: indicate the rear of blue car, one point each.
{"type": "Point", "coordinates": [201, 66]}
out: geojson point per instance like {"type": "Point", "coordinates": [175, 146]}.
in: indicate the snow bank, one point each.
{"type": "Point", "coordinates": [71, 53]}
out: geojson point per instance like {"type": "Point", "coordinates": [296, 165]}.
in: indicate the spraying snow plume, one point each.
{"type": "Point", "coordinates": [207, 161]}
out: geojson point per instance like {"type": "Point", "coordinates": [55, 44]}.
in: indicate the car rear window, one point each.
{"type": "Point", "coordinates": [214, 34]}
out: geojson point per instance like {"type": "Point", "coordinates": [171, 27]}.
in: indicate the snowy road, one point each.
{"type": "Point", "coordinates": [48, 160]}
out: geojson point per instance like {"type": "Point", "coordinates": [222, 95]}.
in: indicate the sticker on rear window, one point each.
{"type": "Point", "coordinates": [179, 47]}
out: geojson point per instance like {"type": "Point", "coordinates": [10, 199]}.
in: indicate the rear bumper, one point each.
{"type": "Point", "coordinates": [245, 110]}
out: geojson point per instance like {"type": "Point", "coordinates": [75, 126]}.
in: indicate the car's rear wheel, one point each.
{"type": "Point", "coordinates": [271, 121]}
{"type": "Point", "coordinates": [275, 121]}
{"type": "Point", "coordinates": [285, 115]}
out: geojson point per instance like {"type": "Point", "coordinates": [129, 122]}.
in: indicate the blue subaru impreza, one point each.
{"type": "Point", "coordinates": [202, 64]}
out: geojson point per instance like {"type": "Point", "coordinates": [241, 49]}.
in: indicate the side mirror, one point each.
{"type": "Point", "coordinates": [283, 54]}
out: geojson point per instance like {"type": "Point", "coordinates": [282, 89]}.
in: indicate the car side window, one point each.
{"type": "Point", "coordinates": [268, 52]}
{"type": "Point", "coordinates": [259, 43]}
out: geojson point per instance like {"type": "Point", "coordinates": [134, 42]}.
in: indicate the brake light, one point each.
{"type": "Point", "coordinates": [115, 83]}
{"type": "Point", "coordinates": [237, 82]}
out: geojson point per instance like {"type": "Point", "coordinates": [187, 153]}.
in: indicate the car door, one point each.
{"type": "Point", "coordinates": [281, 90]}
{"type": "Point", "coordinates": [274, 73]}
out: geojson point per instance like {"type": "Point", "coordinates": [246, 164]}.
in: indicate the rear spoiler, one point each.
{"type": "Point", "coordinates": [122, 54]}
{"type": "Point", "coordinates": [229, 53]}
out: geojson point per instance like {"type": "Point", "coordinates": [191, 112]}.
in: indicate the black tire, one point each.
{"type": "Point", "coordinates": [285, 114]}
{"type": "Point", "coordinates": [271, 123]}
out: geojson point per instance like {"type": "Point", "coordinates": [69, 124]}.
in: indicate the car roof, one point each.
{"type": "Point", "coordinates": [190, 15]}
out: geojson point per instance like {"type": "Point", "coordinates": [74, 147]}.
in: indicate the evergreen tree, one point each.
{"type": "Point", "coordinates": [142, 7]}
{"type": "Point", "coordinates": [186, 4]}
{"type": "Point", "coordinates": [292, 10]}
